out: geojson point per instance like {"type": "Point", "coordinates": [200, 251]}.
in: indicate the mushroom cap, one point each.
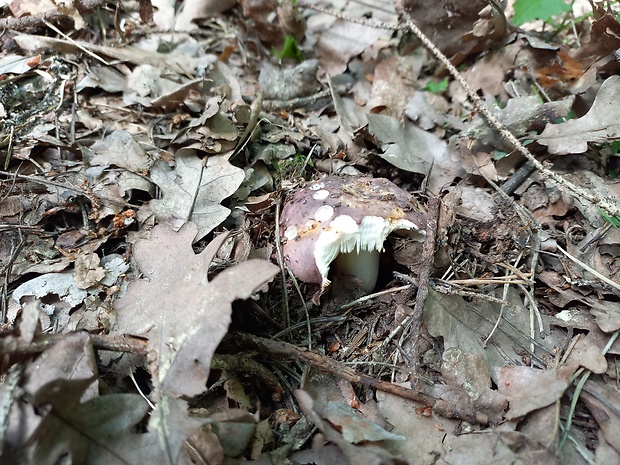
{"type": "Point", "coordinates": [342, 214]}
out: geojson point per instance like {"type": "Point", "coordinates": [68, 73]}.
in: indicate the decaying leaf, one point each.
{"type": "Point", "coordinates": [183, 313]}
{"type": "Point", "coordinates": [61, 284]}
{"type": "Point", "coordinates": [343, 41]}
{"type": "Point", "coordinates": [458, 28]}
{"type": "Point", "coordinates": [602, 400]}
{"type": "Point", "coordinates": [367, 454]}
{"type": "Point", "coordinates": [411, 149]}
{"type": "Point", "coordinates": [120, 148]}
{"type": "Point", "coordinates": [87, 431]}
{"type": "Point", "coordinates": [529, 389]}
{"type": "Point", "coordinates": [519, 115]}
{"type": "Point", "coordinates": [193, 190]}
{"type": "Point", "coordinates": [201, 9]}
{"type": "Point", "coordinates": [601, 123]}
{"type": "Point", "coordinates": [171, 422]}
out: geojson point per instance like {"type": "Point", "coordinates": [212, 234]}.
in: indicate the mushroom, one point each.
{"type": "Point", "coordinates": [344, 220]}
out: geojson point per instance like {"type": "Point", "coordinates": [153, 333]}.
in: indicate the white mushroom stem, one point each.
{"type": "Point", "coordinates": [364, 265]}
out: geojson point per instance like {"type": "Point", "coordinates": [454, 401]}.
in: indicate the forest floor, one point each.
{"type": "Point", "coordinates": [149, 313]}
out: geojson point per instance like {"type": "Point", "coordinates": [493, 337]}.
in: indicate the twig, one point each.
{"type": "Point", "coordinates": [363, 22]}
{"type": "Point", "coordinates": [273, 105]}
{"type": "Point", "coordinates": [605, 279]}
{"type": "Point", "coordinates": [368, 297]}
{"type": "Point", "coordinates": [428, 252]}
{"type": "Point", "coordinates": [283, 350]}
{"type": "Point", "coordinates": [607, 204]}
{"type": "Point", "coordinates": [27, 22]}
{"type": "Point", "coordinates": [13, 347]}
{"type": "Point", "coordinates": [74, 43]}
{"type": "Point", "coordinates": [313, 321]}
{"type": "Point", "coordinates": [509, 279]}
{"type": "Point", "coordinates": [501, 309]}
{"type": "Point", "coordinates": [77, 190]}
{"type": "Point", "coordinates": [303, 304]}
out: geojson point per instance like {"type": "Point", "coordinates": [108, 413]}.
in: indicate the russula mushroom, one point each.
{"type": "Point", "coordinates": [344, 220]}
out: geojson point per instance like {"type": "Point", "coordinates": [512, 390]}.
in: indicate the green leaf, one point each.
{"type": "Point", "coordinates": [527, 10]}
{"type": "Point", "coordinates": [437, 87]}
{"type": "Point", "coordinates": [289, 50]}
{"type": "Point", "coordinates": [614, 220]}
{"type": "Point", "coordinates": [499, 154]}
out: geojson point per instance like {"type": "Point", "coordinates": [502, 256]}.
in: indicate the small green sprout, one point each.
{"type": "Point", "coordinates": [290, 49]}
{"type": "Point", "coordinates": [613, 220]}
{"type": "Point", "coordinates": [437, 87]}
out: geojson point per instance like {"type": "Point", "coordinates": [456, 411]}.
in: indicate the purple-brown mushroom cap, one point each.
{"type": "Point", "coordinates": [344, 214]}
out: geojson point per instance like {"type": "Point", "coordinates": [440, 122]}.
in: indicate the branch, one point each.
{"type": "Point", "coordinates": [461, 410]}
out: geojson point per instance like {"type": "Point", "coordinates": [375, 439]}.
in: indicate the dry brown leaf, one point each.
{"type": "Point", "coordinates": [458, 28]}
{"type": "Point", "coordinates": [88, 431]}
{"type": "Point", "coordinates": [183, 313]}
{"type": "Point", "coordinates": [411, 149]}
{"type": "Point", "coordinates": [71, 358]}
{"type": "Point", "coordinates": [343, 41]}
{"type": "Point", "coordinates": [603, 41]}
{"type": "Point", "coordinates": [173, 425]}
{"type": "Point", "coordinates": [529, 389]}
{"type": "Point", "coordinates": [603, 401]}
{"type": "Point", "coordinates": [177, 62]}
{"type": "Point", "coordinates": [200, 9]}
{"type": "Point", "coordinates": [120, 148]}
{"type": "Point", "coordinates": [357, 455]}
{"type": "Point", "coordinates": [392, 83]}
{"type": "Point", "coordinates": [193, 191]}
{"type": "Point", "coordinates": [601, 124]}
{"type": "Point", "coordinates": [263, 14]}
{"type": "Point", "coordinates": [425, 433]}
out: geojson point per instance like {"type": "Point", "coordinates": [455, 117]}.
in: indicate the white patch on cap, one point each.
{"type": "Point", "coordinates": [317, 186]}
{"type": "Point", "coordinates": [344, 224]}
{"type": "Point", "coordinates": [324, 213]}
{"type": "Point", "coordinates": [291, 232]}
{"type": "Point", "coordinates": [321, 194]}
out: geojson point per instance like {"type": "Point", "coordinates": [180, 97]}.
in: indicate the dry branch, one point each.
{"type": "Point", "coordinates": [283, 350]}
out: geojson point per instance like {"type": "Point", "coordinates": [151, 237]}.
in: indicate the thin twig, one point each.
{"type": "Point", "coordinates": [77, 190]}
{"type": "Point", "coordinates": [278, 239]}
{"type": "Point", "coordinates": [589, 269]}
{"type": "Point", "coordinates": [363, 22]}
{"type": "Point", "coordinates": [368, 297]}
{"type": "Point", "coordinates": [12, 347]}
{"type": "Point", "coordinates": [282, 350]}
{"type": "Point", "coordinates": [73, 42]}
{"type": "Point", "coordinates": [428, 252]}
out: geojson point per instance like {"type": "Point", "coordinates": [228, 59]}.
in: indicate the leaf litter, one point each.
{"type": "Point", "coordinates": [142, 177]}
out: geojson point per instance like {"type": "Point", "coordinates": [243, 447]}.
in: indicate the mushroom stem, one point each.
{"type": "Point", "coordinates": [364, 265]}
